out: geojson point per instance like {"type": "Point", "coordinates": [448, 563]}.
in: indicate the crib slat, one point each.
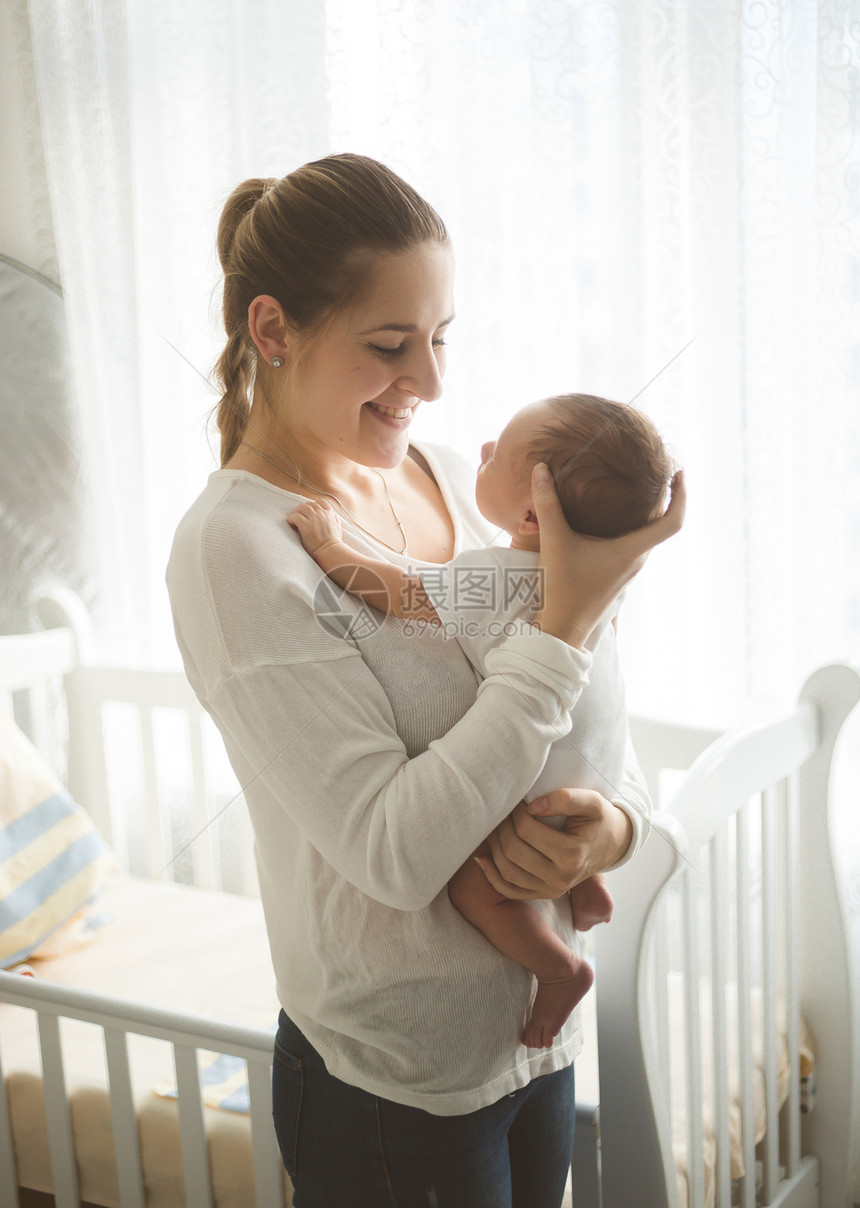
{"type": "Point", "coordinates": [124, 1118]}
{"type": "Point", "coordinates": [250, 884]}
{"type": "Point", "coordinates": [60, 1140]}
{"type": "Point", "coordinates": [792, 996]}
{"type": "Point", "coordinates": [157, 848]}
{"type": "Point", "coordinates": [770, 970]}
{"type": "Point", "coordinates": [746, 1187]}
{"type": "Point", "coordinates": [192, 1129]}
{"type": "Point", "coordinates": [660, 960]}
{"type": "Point", "coordinates": [693, 1029]}
{"type": "Point", "coordinates": [40, 721]}
{"type": "Point", "coordinates": [719, 981]}
{"type": "Point", "coordinates": [8, 1180]}
{"type": "Point", "coordinates": [207, 868]}
{"type": "Point", "coordinates": [268, 1168]}
{"type": "Point", "coordinates": [88, 778]}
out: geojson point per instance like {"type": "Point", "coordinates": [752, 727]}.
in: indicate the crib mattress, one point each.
{"type": "Point", "coordinates": [165, 947]}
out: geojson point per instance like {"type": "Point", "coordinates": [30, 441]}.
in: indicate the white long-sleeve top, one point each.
{"type": "Point", "coordinates": [373, 765]}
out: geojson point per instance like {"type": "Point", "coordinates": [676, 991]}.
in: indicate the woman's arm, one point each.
{"type": "Point", "coordinates": [531, 860]}
{"type": "Point", "coordinates": [316, 741]}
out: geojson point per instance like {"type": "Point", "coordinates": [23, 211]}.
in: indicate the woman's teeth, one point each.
{"type": "Point", "coordinates": [395, 413]}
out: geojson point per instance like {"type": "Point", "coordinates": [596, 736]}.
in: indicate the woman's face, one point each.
{"type": "Point", "coordinates": [357, 386]}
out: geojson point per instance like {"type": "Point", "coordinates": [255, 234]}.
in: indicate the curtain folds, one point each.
{"type": "Point", "coordinates": [619, 179]}
{"type": "Point", "coordinates": [81, 69]}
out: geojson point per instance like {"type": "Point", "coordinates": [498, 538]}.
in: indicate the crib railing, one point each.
{"type": "Point", "coordinates": [738, 928]}
{"type": "Point", "coordinates": [31, 682]}
{"type": "Point", "coordinates": [144, 758]}
{"type": "Point", "coordinates": [186, 1034]}
{"type": "Point", "coordinates": [721, 954]}
{"type": "Point", "coordinates": [151, 767]}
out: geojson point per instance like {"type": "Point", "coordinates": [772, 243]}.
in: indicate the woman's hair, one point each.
{"type": "Point", "coordinates": [307, 240]}
{"type": "Point", "coordinates": [610, 467]}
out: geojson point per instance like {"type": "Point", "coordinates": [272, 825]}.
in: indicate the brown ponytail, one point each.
{"type": "Point", "coordinates": [304, 240]}
{"type": "Point", "coordinates": [233, 373]}
{"type": "Point", "coordinates": [234, 369]}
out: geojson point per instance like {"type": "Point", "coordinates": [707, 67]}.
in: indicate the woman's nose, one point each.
{"type": "Point", "coordinates": [423, 376]}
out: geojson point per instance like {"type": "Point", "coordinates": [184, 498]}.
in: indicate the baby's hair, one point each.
{"type": "Point", "coordinates": [610, 467]}
{"type": "Point", "coordinates": [306, 240]}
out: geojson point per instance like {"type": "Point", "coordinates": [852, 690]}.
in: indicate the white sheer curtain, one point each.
{"type": "Point", "coordinates": [151, 113]}
{"type": "Point", "coordinates": [618, 177]}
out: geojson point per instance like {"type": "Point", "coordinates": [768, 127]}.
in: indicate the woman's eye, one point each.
{"type": "Point", "coordinates": [382, 351]}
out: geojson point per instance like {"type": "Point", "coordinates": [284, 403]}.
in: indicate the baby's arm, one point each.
{"type": "Point", "coordinates": [378, 583]}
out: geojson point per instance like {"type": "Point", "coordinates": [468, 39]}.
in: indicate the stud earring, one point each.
{"type": "Point", "coordinates": [277, 362]}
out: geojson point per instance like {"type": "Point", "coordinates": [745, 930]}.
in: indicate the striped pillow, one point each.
{"type": "Point", "coordinates": [52, 859]}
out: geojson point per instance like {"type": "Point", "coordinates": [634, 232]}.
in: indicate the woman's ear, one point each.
{"type": "Point", "coordinates": [270, 330]}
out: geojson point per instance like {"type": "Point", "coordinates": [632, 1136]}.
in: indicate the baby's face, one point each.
{"type": "Point", "coordinates": [503, 487]}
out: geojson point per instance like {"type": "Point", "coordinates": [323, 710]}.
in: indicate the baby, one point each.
{"type": "Point", "coordinates": [612, 474]}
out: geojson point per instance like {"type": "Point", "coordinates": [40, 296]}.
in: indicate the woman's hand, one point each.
{"type": "Point", "coordinates": [531, 860]}
{"type": "Point", "coordinates": [583, 575]}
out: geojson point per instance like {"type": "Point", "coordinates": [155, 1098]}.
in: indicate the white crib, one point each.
{"type": "Point", "coordinates": [719, 898]}
{"type": "Point", "coordinates": [728, 947]}
{"type": "Point", "coordinates": [107, 726]}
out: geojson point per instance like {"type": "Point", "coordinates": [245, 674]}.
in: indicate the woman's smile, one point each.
{"type": "Point", "coordinates": [401, 416]}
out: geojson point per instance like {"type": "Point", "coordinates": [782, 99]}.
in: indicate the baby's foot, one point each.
{"type": "Point", "coordinates": [590, 903]}
{"type": "Point", "coordinates": [553, 1003]}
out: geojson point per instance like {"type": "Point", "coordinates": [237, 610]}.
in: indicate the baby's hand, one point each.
{"type": "Point", "coordinates": [318, 525]}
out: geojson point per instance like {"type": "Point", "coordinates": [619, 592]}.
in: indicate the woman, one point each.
{"type": "Point", "coordinates": [372, 765]}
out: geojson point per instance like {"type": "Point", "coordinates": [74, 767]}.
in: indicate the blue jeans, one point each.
{"type": "Point", "coordinates": [343, 1146]}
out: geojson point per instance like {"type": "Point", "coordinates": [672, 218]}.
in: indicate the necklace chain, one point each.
{"type": "Point", "coordinates": [297, 477]}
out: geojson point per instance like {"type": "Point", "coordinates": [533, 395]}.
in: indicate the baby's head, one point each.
{"type": "Point", "coordinates": [608, 462]}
